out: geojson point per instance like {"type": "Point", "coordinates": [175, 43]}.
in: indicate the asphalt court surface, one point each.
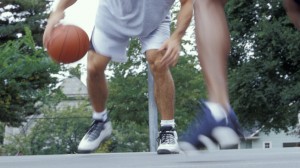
{"type": "Point", "coordinates": [243, 158]}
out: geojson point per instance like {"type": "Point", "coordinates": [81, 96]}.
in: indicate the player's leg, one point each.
{"type": "Point", "coordinates": [213, 45]}
{"type": "Point", "coordinates": [111, 48]}
{"type": "Point", "coordinates": [100, 128]}
{"type": "Point", "coordinates": [163, 85]}
{"type": "Point", "coordinates": [96, 80]}
{"type": "Point", "coordinates": [219, 123]}
{"type": "Point", "coordinates": [164, 89]}
{"type": "Point", "coordinates": [164, 92]}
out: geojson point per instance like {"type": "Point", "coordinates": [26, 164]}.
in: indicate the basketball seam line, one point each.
{"type": "Point", "coordinates": [61, 51]}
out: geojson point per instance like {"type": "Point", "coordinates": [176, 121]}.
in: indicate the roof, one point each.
{"type": "Point", "coordinates": [73, 87]}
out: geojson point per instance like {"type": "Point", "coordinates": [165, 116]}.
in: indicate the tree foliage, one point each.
{"type": "Point", "coordinates": [127, 136]}
{"type": "Point", "coordinates": [128, 87]}
{"type": "Point", "coordinates": [54, 132]}
{"type": "Point", "coordinates": [25, 78]}
{"type": "Point", "coordinates": [14, 14]}
{"type": "Point", "coordinates": [59, 132]}
{"type": "Point", "coordinates": [264, 64]}
{"type": "Point", "coordinates": [75, 71]}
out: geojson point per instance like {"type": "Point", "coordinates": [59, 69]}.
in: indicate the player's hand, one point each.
{"type": "Point", "coordinates": [53, 21]}
{"type": "Point", "coordinates": [172, 49]}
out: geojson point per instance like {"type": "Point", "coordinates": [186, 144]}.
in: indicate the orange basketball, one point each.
{"type": "Point", "coordinates": [68, 43]}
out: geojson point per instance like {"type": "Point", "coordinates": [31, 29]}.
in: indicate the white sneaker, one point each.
{"type": "Point", "coordinates": [167, 141]}
{"type": "Point", "coordinates": [98, 132]}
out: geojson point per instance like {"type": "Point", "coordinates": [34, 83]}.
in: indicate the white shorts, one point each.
{"type": "Point", "coordinates": [114, 44]}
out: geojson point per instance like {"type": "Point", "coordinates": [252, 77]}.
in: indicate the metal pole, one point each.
{"type": "Point", "coordinates": [153, 115]}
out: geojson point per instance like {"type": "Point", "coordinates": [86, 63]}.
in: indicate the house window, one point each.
{"type": "Point", "coordinates": [231, 147]}
{"type": "Point", "coordinates": [267, 145]}
{"type": "Point", "coordinates": [291, 144]}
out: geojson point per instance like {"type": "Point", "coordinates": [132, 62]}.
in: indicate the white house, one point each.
{"type": "Point", "coordinates": [260, 140]}
{"type": "Point", "coordinates": [75, 91]}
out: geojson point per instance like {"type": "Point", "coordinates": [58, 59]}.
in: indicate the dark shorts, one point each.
{"type": "Point", "coordinates": [298, 2]}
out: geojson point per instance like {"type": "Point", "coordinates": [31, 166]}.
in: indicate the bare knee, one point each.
{"type": "Point", "coordinates": [92, 71]}
{"type": "Point", "coordinates": [154, 59]}
{"type": "Point", "coordinates": [96, 64]}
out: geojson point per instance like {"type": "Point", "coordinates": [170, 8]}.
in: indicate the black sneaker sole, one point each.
{"type": "Point", "coordinates": [165, 151]}
{"type": "Point", "coordinates": [84, 151]}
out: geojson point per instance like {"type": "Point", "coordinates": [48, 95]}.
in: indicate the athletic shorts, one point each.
{"type": "Point", "coordinates": [114, 44]}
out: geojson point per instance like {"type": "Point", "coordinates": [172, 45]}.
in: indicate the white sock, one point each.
{"type": "Point", "coordinates": [100, 115]}
{"type": "Point", "coordinates": [217, 110]}
{"type": "Point", "coordinates": [167, 123]}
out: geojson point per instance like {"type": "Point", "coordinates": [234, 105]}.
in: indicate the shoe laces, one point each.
{"type": "Point", "coordinates": [93, 131]}
{"type": "Point", "coordinates": [166, 137]}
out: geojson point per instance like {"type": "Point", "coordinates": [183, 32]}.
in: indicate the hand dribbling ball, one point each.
{"type": "Point", "coordinates": [67, 44]}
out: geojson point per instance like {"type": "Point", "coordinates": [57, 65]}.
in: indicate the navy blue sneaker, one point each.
{"type": "Point", "coordinates": [206, 132]}
{"type": "Point", "coordinates": [236, 125]}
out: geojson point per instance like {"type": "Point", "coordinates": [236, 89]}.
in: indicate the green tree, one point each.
{"type": "Point", "coordinates": [25, 78]}
{"type": "Point", "coordinates": [264, 65]}
{"type": "Point", "coordinates": [19, 146]}
{"type": "Point", "coordinates": [75, 71]}
{"type": "Point", "coordinates": [60, 131]}
{"type": "Point", "coordinates": [54, 132]}
{"type": "Point", "coordinates": [128, 87]}
{"type": "Point", "coordinates": [22, 60]}
{"type": "Point", "coordinates": [17, 13]}
{"type": "Point", "coordinates": [128, 136]}
{"type": "Point", "coordinates": [190, 89]}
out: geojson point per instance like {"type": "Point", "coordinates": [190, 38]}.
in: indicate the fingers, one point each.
{"type": "Point", "coordinates": [170, 50]}
{"type": "Point", "coordinates": [53, 21]}
{"type": "Point", "coordinates": [170, 58]}
{"type": "Point", "coordinates": [46, 36]}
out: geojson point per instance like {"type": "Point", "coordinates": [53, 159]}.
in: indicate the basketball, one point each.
{"type": "Point", "coordinates": [67, 44]}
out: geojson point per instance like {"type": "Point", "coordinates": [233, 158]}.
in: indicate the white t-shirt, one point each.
{"type": "Point", "coordinates": [131, 17]}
